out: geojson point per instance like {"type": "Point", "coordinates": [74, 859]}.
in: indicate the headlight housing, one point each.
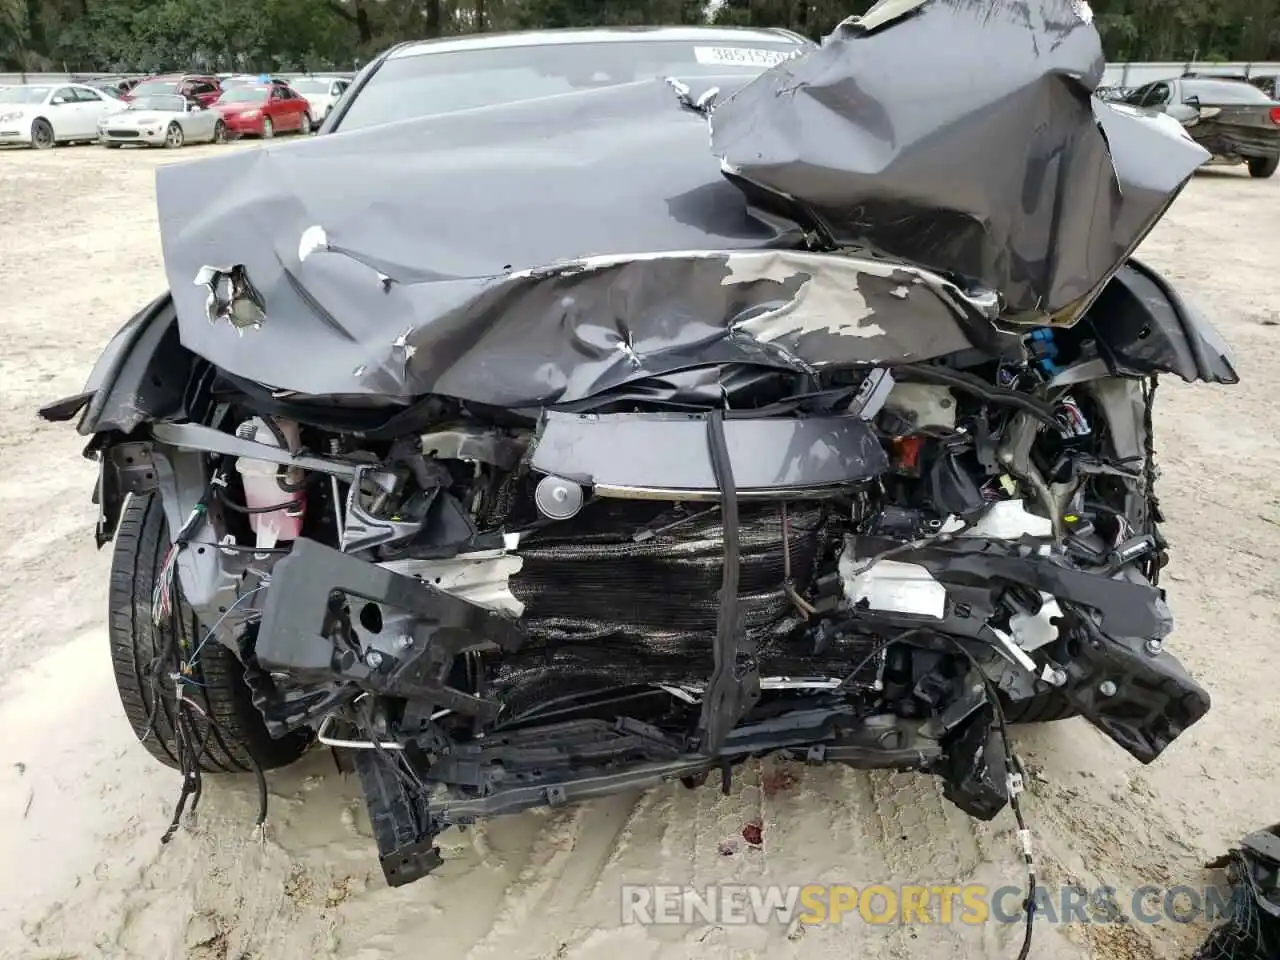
{"type": "Point", "coordinates": [251, 114]}
{"type": "Point", "coordinates": [15, 115]}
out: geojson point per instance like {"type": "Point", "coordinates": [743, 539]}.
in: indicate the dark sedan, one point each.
{"type": "Point", "coordinates": [427, 77]}
{"type": "Point", "coordinates": [1235, 121]}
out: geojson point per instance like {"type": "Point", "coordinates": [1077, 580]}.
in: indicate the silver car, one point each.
{"type": "Point", "coordinates": [167, 120]}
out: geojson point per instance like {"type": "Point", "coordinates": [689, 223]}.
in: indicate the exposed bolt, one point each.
{"type": "Point", "coordinates": [1058, 678]}
{"type": "Point", "coordinates": [404, 641]}
{"type": "Point", "coordinates": [1107, 688]}
{"type": "Point", "coordinates": [1154, 646]}
{"type": "Point", "coordinates": [374, 659]}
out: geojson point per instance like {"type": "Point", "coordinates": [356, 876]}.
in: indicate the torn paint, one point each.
{"type": "Point", "coordinates": [822, 296]}
{"type": "Point", "coordinates": [313, 239]}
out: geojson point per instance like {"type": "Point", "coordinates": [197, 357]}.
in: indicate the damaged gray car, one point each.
{"type": "Point", "coordinates": [541, 451]}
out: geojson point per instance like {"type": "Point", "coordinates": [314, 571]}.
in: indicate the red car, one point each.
{"type": "Point", "coordinates": [263, 110]}
{"type": "Point", "coordinates": [198, 87]}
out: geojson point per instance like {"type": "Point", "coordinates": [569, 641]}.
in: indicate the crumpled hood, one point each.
{"type": "Point", "coordinates": [961, 136]}
{"type": "Point", "coordinates": [545, 250]}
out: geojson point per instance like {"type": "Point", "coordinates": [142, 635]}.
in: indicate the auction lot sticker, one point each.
{"type": "Point", "coordinates": [739, 56]}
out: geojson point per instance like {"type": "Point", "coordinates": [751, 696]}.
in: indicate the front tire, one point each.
{"type": "Point", "coordinates": [219, 132]}
{"type": "Point", "coordinates": [42, 137]}
{"type": "Point", "coordinates": [174, 137]}
{"type": "Point", "coordinates": [305, 127]}
{"type": "Point", "coordinates": [240, 737]}
{"type": "Point", "coordinates": [1262, 167]}
{"type": "Point", "coordinates": [268, 129]}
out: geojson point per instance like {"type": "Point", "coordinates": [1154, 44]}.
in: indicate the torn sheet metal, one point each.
{"type": "Point", "coordinates": [961, 136]}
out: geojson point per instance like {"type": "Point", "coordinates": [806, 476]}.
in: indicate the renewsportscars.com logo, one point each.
{"type": "Point", "coordinates": [816, 904]}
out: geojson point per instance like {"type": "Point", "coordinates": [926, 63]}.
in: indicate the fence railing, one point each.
{"type": "Point", "coordinates": [1137, 74]}
{"type": "Point", "coordinates": [20, 78]}
{"type": "Point", "coordinates": [1117, 74]}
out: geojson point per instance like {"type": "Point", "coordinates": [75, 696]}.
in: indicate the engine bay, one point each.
{"type": "Point", "coordinates": [505, 609]}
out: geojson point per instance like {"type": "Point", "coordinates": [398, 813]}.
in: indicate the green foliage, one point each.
{"type": "Point", "coordinates": [109, 35]}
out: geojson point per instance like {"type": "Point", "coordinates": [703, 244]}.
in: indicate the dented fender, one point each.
{"type": "Point", "coordinates": [1144, 326]}
{"type": "Point", "coordinates": [141, 376]}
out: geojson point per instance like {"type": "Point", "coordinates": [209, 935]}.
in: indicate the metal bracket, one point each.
{"type": "Point", "coordinates": [133, 466]}
{"type": "Point", "coordinates": [360, 529]}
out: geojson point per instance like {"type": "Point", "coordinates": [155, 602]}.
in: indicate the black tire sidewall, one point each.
{"type": "Point", "coordinates": [135, 642]}
{"type": "Point", "coordinates": [1262, 167]}
{"type": "Point", "coordinates": [42, 124]}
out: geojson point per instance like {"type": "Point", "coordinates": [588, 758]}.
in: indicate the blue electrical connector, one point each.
{"type": "Point", "coordinates": [1044, 350]}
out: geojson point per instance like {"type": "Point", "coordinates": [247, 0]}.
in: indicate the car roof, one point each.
{"type": "Point", "coordinates": [537, 38]}
{"type": "Point", "coordinates": [1210, 80]}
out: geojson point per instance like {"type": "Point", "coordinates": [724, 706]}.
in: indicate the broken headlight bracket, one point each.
{"type": "Point", "coordinates": [296, 634]}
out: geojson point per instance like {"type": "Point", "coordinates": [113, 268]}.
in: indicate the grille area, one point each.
{"type": "Point", "coordinates": [590, 581]}
{"type": "Point", "coordinates": [602, 608]}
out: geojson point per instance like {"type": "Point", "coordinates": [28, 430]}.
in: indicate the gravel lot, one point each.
{"type": "Point", "coordinates": [84, 806]}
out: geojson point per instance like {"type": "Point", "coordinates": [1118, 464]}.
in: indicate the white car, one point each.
{"type": "Point", "coordinates": [321, 92]}
{"type": "Point", "coordinates": [45, 114]}
{"type": "Point", "coordinates": [165, 119]}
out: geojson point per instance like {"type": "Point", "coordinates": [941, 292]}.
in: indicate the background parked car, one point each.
{"type": "Point", "coordinates": [263, 110]}
{"type": "Point", "coordinates": [199, 87]}
{"type": "Point", "coordinates": [1267, 83]}
{"type": "Point", "coordinates": [426, 77]}
{"type": "Point", "coordinates": [46, 114]}
{"type": "Point", "coordinates": [322, 93]}
{"type": "Point", "coordinates": [114, 87]}
{"type": "Point", "coordinates": [167, 119]}
{"type": "Point", "coordinates": [1270, 85]}
{"type": "Point", "coordinates": [250, 79]}
{"type": "Point", "coordinates": [1233, 120]}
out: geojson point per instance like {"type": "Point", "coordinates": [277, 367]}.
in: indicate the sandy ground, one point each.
{"type": "Point", "coordinates": [83, 806]}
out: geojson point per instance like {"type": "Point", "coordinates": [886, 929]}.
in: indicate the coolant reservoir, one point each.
{"type": "Point", "coordinates": [263, 485]}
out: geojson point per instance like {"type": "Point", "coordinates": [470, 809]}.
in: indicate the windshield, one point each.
{"type": "Point", "coordinates": [310, 86]}
{"type": "Point", "coordinates": [244, 95]}
{"type": "Point", "coordinates": [428, 83]}
{"type": "Point", "coordinates": [23, 94]}
{"type": "Point", "coordinates": [152, 88]}
{"type": "Point", "coordinates": [1223, 91]}
{"type": "Point", "coordinates": [171, 104]}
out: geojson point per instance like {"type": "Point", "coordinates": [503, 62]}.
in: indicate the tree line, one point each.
{"type": "Point", "coordinates": [252, 35]}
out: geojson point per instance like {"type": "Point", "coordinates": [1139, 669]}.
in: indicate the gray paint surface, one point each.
{"type": "Point", "coordinates": [548, 250]}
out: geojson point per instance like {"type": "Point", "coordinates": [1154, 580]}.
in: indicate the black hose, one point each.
{"type": "Point", "coordinates": [241, 508]}
{"type": "Point", "coordinates": [278, 432]}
